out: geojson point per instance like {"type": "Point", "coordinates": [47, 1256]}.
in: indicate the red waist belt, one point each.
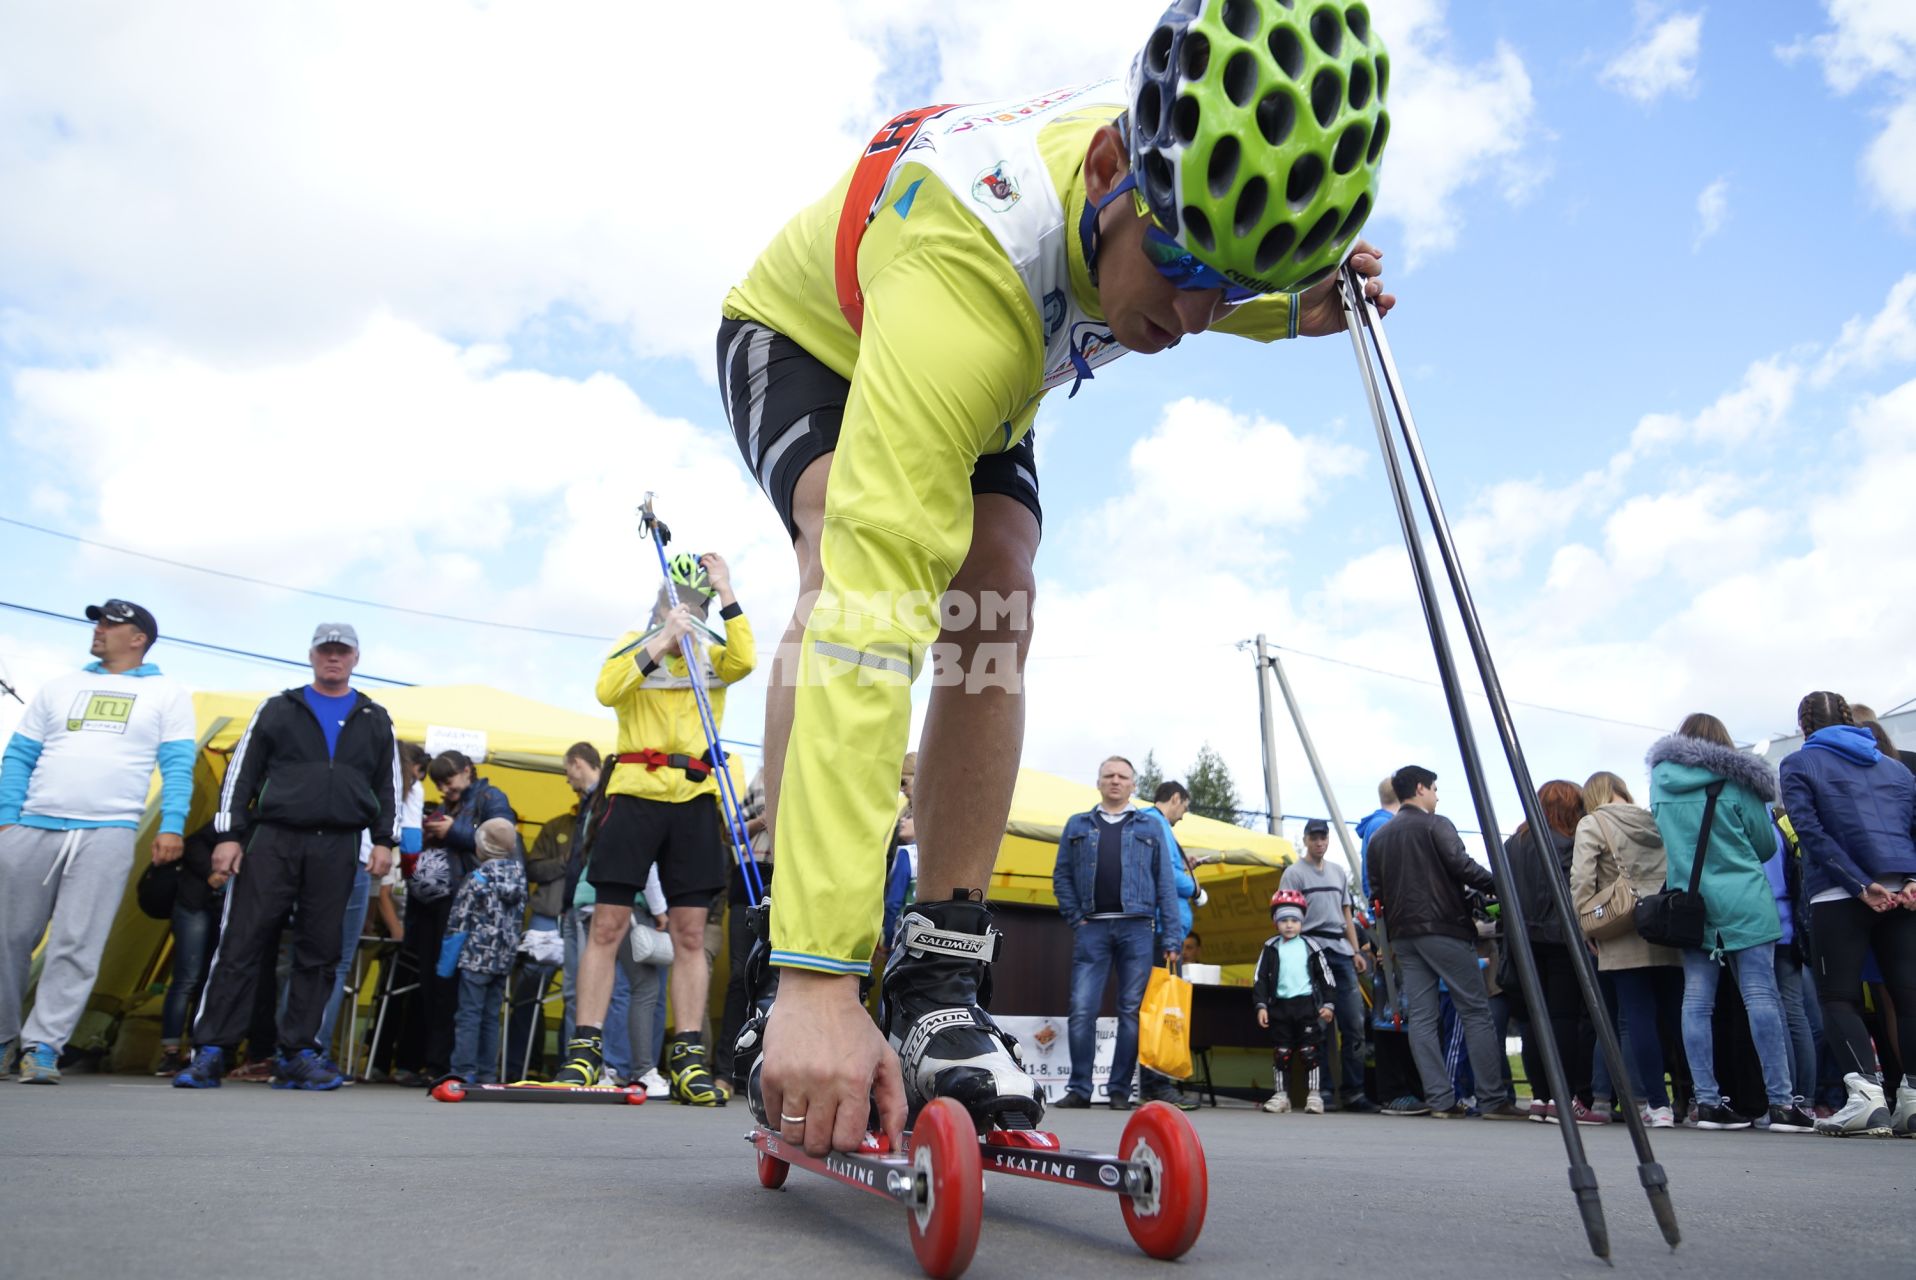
{"type": "Point", "coordinates": [696, 769]}
{"type": "Point", "coordinates": [861, 202]}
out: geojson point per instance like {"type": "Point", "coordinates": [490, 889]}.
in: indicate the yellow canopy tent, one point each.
{"type": "Point", "coordinates": [1239, 868]}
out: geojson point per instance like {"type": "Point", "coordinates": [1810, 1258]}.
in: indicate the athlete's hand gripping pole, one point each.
{"type": "Point", "coordinates": [654, 530]}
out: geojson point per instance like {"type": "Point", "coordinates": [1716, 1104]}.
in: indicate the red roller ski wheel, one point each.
{"type": "Point", "coordinates": [950, 1183]}
{"type": "Point", "coordinates": [1166, 1219]}
{"type": "Point", "coordinates": [771, 1171]}
{"type": "Point", "coordinates": [449, 1091]}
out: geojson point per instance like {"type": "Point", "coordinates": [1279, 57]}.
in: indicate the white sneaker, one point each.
{"type": "Point", "coordinates": [1865, 1115]}
{"type": "Point", "coordinates": [1903, 1123]}
{"type": "Point", "coordinates": [655, 1085]}
{"type": "Point", "coordinates": [1278, 1104]}
{"type": "Point", "coordinates": [1314, 1103]}
{"type": "Point", "coordinates": [1659, 1118]}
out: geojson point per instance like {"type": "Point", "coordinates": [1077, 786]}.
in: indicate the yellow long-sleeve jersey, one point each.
{"type": "Point", "coordinates": [657, 710]}
{"type": "Point", "coordinates": [977, 300]}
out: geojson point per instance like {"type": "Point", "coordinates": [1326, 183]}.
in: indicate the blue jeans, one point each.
{"type": "Point", "coordinates": [1756, 979]}
{"type": "Point", "coordinates": [1100, 947]}
{"type": "Point", "coordinates": [192, 953]}
{"type": "Point", "coordinates": [1633, 1009]}
{"type": "Point", "coordinates": [475, 1028]}
{"type": "Point", "coordinates": [349, 931]}
{"type": "Point", "coordinates": [1790, 985]}
{"type": "Point", "coordinates": [1349, 1002]}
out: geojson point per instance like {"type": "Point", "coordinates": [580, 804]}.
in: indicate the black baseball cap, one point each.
{"type": "Point", "coordinates": [1317, 827]}
{"type": "Point", "coordinates": [126, 611]}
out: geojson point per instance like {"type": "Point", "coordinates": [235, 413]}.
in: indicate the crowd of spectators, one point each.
{"type": "Point", "coordinates": [1392, 989]}
{"type": "Point", "coordinates": [1807, 877]}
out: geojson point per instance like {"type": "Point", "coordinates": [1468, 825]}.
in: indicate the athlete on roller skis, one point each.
{"type": "Point", "coordinates": [881, 366]}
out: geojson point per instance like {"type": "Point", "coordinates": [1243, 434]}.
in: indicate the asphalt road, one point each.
{"type": "Point", "coordinates": [128, 1178]}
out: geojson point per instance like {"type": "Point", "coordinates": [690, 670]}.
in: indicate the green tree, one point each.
{"type": "Point", "coordinates": [1213, 794]}
{"type": "Point", "coordinates": [1149, 776]}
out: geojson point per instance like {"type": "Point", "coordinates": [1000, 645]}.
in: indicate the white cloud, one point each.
{"type": "Point", "coordinates": [1888, 336]}
{"type": "Point", "coordinates": [402, 467]}
{"type": "Point", "coordinates": [1875, 40]}
{"type": "Point", "coordinates": [1889, 163]}
{"type": "Point", "coordinates": [1454, 125]}
{"type": "Point", "coordinates": [263, 178]}
{"type": "Point", "coordinates": [1712, 207]}
{"type": "Point", "coordinates": [1768, 390]}
{"type": "Point", "coordinates": [1868, 38]}
{"type": "Point", "coordinates": [1203, 513]}
{"type": "Point", "coordinates": [1663, 60]}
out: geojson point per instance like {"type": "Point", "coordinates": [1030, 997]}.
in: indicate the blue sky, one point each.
{"type": "Point", "coordinates": [417, 312]}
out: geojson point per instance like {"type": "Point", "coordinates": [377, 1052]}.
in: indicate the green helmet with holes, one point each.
{"type": "Point", "coordinates": [689, 573]}
{"type": "Point", "coordinates": [1256, 131]}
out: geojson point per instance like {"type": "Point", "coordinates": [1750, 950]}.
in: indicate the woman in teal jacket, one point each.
{"type": "Point", "coordinates": [1741, 927]}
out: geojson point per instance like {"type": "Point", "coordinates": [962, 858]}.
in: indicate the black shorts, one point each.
{"type": "Point", "coordinates": [681, 839]}
{"type": "Point", "coordinates": [785, 408]}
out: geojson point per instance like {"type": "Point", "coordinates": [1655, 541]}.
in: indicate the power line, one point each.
{"type": "Point", "coordinates": [202, 644]}
{"type": "Point", "coordinates": [1398, 675]}
{"type": "Point", "coordinates": [304, 591]}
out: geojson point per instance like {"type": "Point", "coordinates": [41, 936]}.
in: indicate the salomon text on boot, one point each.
{"type": "Point", "coordinates": [932, 1009]}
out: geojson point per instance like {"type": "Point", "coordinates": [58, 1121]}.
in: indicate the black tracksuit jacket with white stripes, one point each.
{"type": "Point", "coordinates": [280, 772]}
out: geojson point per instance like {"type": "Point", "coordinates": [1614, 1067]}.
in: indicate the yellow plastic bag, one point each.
{"type": "Point", "coordinates": [1164, 1025]}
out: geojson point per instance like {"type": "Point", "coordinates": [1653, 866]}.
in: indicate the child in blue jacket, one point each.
{"type": "Point", "coordinates": [482, 935]}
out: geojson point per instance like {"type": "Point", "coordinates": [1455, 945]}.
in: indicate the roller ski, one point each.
{"type": "Point", "coordinates": [974, 1110]}
{"type": "Point", "coordinates": [453, 1089]}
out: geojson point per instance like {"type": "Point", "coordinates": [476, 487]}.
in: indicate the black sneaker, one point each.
{"type": "Point", "coordinates": [1361, 1106]}
{"type": "Point", "coordinates": [1072, 1102]}
{"type": "Point", "coordinates": [1791, 1119]}
{"type": "Point", "coordinates": [172, 1062]}
{"type": "Point", "coordinates": [1719, 1116]}
{"type": "Point", "coordinates": [1455, 1111]}
{"type": "Point", "coordinates": [1120, 1104]}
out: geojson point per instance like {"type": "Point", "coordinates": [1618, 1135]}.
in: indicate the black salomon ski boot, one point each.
{"type": "Point", "coordinates": [932, 1009]}
{"type": "Point", "coordinates": [761, 986]}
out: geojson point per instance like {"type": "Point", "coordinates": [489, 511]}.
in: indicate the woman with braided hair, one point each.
{"type": "Point", "coordinates": [1854, 812]}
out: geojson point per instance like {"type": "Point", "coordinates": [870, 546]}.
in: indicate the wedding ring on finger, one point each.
{"type": "Point", "coordinates": [791, 1119]}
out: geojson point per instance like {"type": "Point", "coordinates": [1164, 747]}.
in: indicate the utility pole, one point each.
{"type": "Point", "coordinates": [1317, 767]}
{"type": "Point", "coordinates": [1274, 823]}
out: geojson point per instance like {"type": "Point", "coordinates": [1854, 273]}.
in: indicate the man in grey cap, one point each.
{"type": "Point", "coordinates": [316, 766]}
{"type": "Point", "coordinates": [1327, 917]}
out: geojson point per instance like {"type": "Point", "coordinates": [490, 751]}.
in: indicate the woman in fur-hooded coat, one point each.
{"type": "Point", "coordinates": [1740, 909]}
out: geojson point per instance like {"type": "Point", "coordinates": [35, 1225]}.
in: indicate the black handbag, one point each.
{"type": "Point", "coordinates": [1675, 917]}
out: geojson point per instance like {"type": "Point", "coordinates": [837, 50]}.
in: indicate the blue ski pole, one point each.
{"type": "Point", "coordinates": [654, 529]}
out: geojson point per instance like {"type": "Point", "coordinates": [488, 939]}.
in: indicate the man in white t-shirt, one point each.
{"type": "Point", "coordinates": [73, 790]}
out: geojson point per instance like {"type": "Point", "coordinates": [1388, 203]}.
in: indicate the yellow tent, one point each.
{"type": "Point", "coordinates": [1239, 869]}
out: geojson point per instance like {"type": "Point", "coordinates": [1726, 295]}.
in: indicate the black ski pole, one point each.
{"type": "Point", "coordinates": [1655, 1181]}
{"type": "Point", "coordinates": [1583, 1179]}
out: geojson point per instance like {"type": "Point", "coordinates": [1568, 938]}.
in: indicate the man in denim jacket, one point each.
{"type": "Point", "coordinates": [1117, 887]}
